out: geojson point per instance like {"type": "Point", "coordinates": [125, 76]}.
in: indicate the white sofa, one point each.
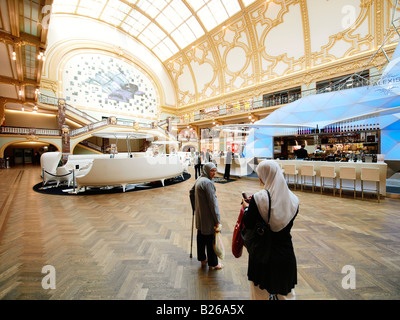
{"type": "Point", "coordinates": [124, 171]}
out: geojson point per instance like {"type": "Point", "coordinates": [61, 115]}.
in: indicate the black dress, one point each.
{"type": "Point", "coordinates": [279, 276]}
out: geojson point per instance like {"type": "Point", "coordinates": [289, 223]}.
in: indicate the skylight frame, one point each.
{"type": "Point", "coordinates": [186, 21]}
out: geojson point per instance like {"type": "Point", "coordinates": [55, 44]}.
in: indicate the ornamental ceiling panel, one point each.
{"type": "Point", "coordinates": [204, 66]}
{"type": "Point", "coordinates": [280, 38]}
{"type": "Point", "coordinates": [235, 52]}
{"type": "Point", "coordinates": [8, 91]}
{"type": "Point", "coordinates": [386, 14]}
{"type": "Point", "coordinates": [340, 29]}
{"type": "Point", "coordinates": [5, 68]}
{"type": "Point", "coordinates": [183, 79]}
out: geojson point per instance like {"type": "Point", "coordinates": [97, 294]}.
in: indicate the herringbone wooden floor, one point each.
{"type": "Point", "coordinates": [136, 245]}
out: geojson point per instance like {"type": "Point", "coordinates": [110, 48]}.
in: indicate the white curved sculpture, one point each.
{"type": "Point", "coordinates": [63, 174]}
{"type": "Point", "coordinates": [51, 171]}
{"type": "Point", "coordinates": [124, 171]}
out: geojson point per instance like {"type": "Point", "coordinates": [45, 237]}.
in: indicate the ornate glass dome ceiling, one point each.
{"type": "Point", "coordinates": [164, 26]}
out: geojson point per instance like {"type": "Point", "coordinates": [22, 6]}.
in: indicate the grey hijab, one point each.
{"type": "Point", "coordinates": [207, 168]}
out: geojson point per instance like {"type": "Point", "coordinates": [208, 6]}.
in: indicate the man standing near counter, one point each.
{"type": "Point", "coordinates": [301, 153]}
{"type": "Point", "coordinates": [228, 161]}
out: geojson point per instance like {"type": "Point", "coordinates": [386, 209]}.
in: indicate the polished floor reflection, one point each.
{"type": "Point", "coordinates": [136, 245]}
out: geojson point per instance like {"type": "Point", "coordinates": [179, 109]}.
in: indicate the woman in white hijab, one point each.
{"type": "Point", "coordinates": [277, 278]}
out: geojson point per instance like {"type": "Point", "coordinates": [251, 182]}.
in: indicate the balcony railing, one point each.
{"type": "Point", "coordinates": [281, 98]}
{"type": "Point", "coordinates": [54, 102]}
{"type": "Point", "coordinates": [29, 131]}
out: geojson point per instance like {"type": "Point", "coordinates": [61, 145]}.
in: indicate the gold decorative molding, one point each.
{"type": "Point", "coordinates": [248, 30]}
{"type": "Point", "coordinates": [379, 22]}
{"type": "Point", "coordinates": [306, 33]}
{"type": "Point", "coordinates": [16, 82]}
{"type": "Point", "coordinates": [49, 84]}
{"type": "Point", "coordinates": [32, 138]}
{"type": "Point", "coordinates": [113, 120]}
{"type": "Point", "coordinates": [61, 102]}
{"type": "Point", "coordinates": [340, 67]}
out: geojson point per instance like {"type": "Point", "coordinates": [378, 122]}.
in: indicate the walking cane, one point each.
{"type": "Point", "coordinates": [191, 241]}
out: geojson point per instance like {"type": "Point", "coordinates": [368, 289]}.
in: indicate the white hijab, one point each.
{"type": "Point", "coordinates": [284, 203]}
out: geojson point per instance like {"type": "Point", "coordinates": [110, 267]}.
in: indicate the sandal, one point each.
{"type": "Point", "coordinates": [204, 263]}
{"type": "Point", "coordinates": [219, 266]}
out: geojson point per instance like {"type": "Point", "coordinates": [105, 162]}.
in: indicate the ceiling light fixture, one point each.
{"type": "Point", "coordinates": [41, 56]}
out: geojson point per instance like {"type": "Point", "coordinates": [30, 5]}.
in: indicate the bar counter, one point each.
{"type": "Point", "coordinates": [346, 183]}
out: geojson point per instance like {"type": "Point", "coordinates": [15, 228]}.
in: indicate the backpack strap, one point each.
{"type": "Point", "coordinates": [269, 207]}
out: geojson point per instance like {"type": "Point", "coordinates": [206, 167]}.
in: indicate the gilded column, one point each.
{"type": "Point", "coordinates": [379, 20]}
{"type": "Point", "coordinates": [64, 129]}
{"type": "Point", "coordinates": [2, 119]}
{"type": "Point", "coordinates": [306, 32]}
{"type": "Point", "coordinates": [2, 110]}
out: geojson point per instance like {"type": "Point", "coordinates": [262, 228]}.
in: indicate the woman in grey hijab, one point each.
{"type": "Point", "coordinates": [205, 205]}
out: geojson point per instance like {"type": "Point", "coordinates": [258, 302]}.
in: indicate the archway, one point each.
{"type": "Point", "coordinates": [188, 148]}
{"type": "Point", "coordinates": [25, 152]}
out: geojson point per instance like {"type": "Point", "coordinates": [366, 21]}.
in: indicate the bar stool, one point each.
{"type": "Point", "coordinates": [347, 173]}
{"type": "Point", "coordinates": [290, 169]}
{"type": "Point", "coordinates": [307, 171]}
{"type": "Point", "coordinates": [370, 174]}
{"type": "Point", "coordinates": [328, 172]}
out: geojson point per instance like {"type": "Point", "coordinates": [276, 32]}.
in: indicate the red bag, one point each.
{"type": "Point", "coordinates": [237, 240]}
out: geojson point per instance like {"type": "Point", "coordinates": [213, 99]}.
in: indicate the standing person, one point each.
{"type": "Point", "coordinates": [228, 161]}
{"type": "Point", "coordinates": [277, 278]}
{"type": "Point", "coordinates": [202, 160]}
{"type": "Point", "coordinates": [301, 153]}
{"type": "Point", "coordinates": [36, 158]}
{"type": "Point", "coordinates": [205, 205]}
{"type": "Point", "coordinates": [197, 165]}
{"type": "Point", "coordinates": [208, 156]}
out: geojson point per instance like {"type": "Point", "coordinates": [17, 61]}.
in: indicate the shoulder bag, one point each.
{"type": "Point", "coordinates": [257, 240]}
{"type": "Point", "coordinates": [237, 240]}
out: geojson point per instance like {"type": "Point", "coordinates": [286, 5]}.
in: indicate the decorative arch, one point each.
{"type": "Point", "coordinates": [186, 134]}
{"type": "Point", "coordinates": [186, 147]}
{"type": "Point", "coordinates": [24, 139]}
{"type": "Point", "coordinates": [61, 52]}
